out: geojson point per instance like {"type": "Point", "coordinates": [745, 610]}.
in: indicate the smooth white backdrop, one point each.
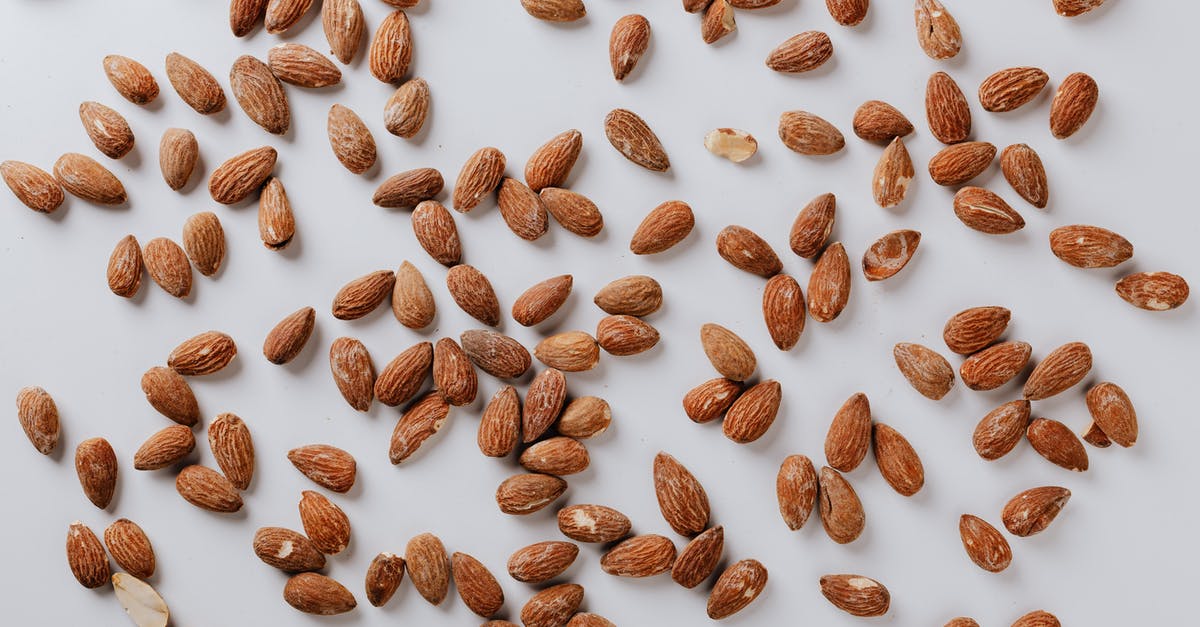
{"type": "Point", "coordinates": [1122, 552]}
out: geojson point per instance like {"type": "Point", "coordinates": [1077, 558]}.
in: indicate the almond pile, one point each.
{"type": "Point", "coordinates": [534, 419]}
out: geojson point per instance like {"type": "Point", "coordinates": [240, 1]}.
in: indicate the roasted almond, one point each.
{"type": "Point", "coordinates": [1062, 368]}
{"type": "Point", "coordinates": [177, 156]}
{"type": "Point", "coordinates": [168, 266]}
{"type": "Point", "coordinates": [841, 512]}
{"type": "Point", "coordinates": [1023, 169]}
{"type": "Point", "coordinates": [946, 108]}
{"type": "Point", "coordinates": [974, 329]}
{"type": "Point", "coordinates": [849, 435]}
{"type": "Point", "coordinates": [473, 293]}
{"type": "Point", "coordinates": [276, 222]}
{"type": "Point", "coordinates": [525, 494]}
{"type": "Point", "coordinates": [829, 284]}
{"type": "Point", "coordinates": [260, 94]}
{"type": "Point", "coordinates": [1073, 8]}
{"type": "Point", "coordinates": [33, 186]}
{"type": "Point", "coordinates": [937, 30]}
{"type": "Point", "coordinates": [1113, 413]}
{"type": "Point", "coordinates": [241, 175]}
{"type": "Point", "coordinates": [324, 522]}
{"type": "Point", "coordinates": [854, 594]}
{"type": "Point", "coordinates": [893, 174]}
{"type": "Point", "coordinates": [428, 567]}
{"type": "Point", "coordinates": [522, 210]}
{"type": "Point", "coordinates": [665, 226]}
{"type": "Point", "coordinates": [1096, 437]}
{"type": "Point", "coordinates": [699, 558]}
{"type": "Point", "coordinates": [202, 354]}
{"type": "Point", "coordinates": [738, 586]}
{"type": "Point", "coordinates": [783, 310]}
{"type": "Point", "coordinates": [107, 129]}
{"type": "Point", "coordinates": [402, 378]}
{"type": "Point", "coordinates": [753, 4]}
{"type": "Point", "coordinates": [435, 230]}
{"type": "Point", "coordinates": [164, 448]}
{"type": "Point", "coordinates": [681, 498]}
{"type": "Point", "coordinates": [207, 489]}
{"type": "Point", "coordinates": [632, 137]}
{"type": "Point", "coordinates": [38, 416]}
{"type": "Point", "coordinates": [312, 593]}
{"type": "Point", "coordinates": [327, 466]}
{"type": "Point", "coordinates": [405, 112]}
{"type": "Point", "coordinates": [96, 466]}
{"type": "Point", "coordinates": [640, 556]}
{"type": "Point", "coordinates": [131, 79]}
{"type": "Point", "coordinates": [1031, 511]}
{"type": "Point", "coordinates": [1153, 291]}
{"type": "Point", "coordinates": [848, 12]}
{"type": "Point", "coordinates": [875, 120]}
{"type": "Point", "coordinates": [555, 11]}
{"type": "Point", "coordinates": [363, 295]}
{"type": "Point", "coordinates": [204, 241]}
{"type": "Point", "coordinates": [453, 374]}
{"type": "Point", "coordinates": [753, 413]}
{"type": "Point", "coordinates": [993, 367]}
{"type": "Point", "coordinates": [302, 66]}
{"type": "Point", "coordinates": [342, 21]}
{"type": "Point", "coordinates": [629, 39]}
{"type": "Point", "coordinates": [575, 212]}
{"type": "Point", "coordinates": [889, 254]}
{"type": "Point", "coordinates": [731, 143]}
{"type": "Point", "coordinates": [130, 548]}
{"type": "Point", "coordinates": [570, 351]}
{"type": "Point", "coordinates": [813, 225]}
{"type": "Point", "coordinates": [412, 302]}
{"type": "Point", "coordinates": [709, 400]}
{"type": "Point", "coordinates": [170, 395]}
{"type": "Point", "coordinates": [86, 556]}
{"type": "Point", "coordinates": [408, 188]}
{"type": "Point", "coordinates": [927, 371]}
{"type": "Point", "coordinates": [479, 176]}
{"type": "Point", "coordinates": [84, 178]}
{"type": "Point", "coordinates": [695, 6]}
{"type": "Point", "coordinates": [592, 523]}
{"type": "Point", "coordinates": [1055, 441]}
{"type": "Point", "coordinates": [1073, 104]}
{"type": "Point", "coordinates": [229, 440]}
{"type": "Point", "coordinates": [801, 53]}
{"type": "Point", "coordinates": [623, 335]}
{"type": "Point", "coordinates": [287, 338]}
{"type": "Point", "coordinates": [195, 85]}
{"type": "Point", "coordinates": [287, 550]}
{"type": "Point", "coordinates": [391, 48]}
{"type": "Point", "coordinates": [796, 490]}
{"type": "Point", "coordinates": [1001, 429]}
{"type": "Point", "coordinates": [551, 163]}
{"type": "Point", "coordinates": [1086, 246]}
{"type": "Point", "coordinates": [636, 295]}
{"type": "Point", "coordinates": [244, 15]}
{"type": "Point", "coordinates": [809, 134]}
{"type": "Point", "coordinates": [543, 402]}
{"type": "Point", "coordinates": [554, 605]}
{"type": "Point", "coordinates": [585, 417]}
{"type": "Point", "coordinates": [476, 585]}
{"type": "Point", "coordinates": [959, 163]}
{"type": "Point", "coordinates": [495, 353]}
{"type": "Point", "coordinates": [556, 456]}
{"type": "Point", "coordinates": [983, 544]}
{"type": "Point", "coordinates": [500, 424]}
{"type": "Point", "coordinates": [897, 461]}
{"type": "Point", "coordinates": [384, 575]}
{"type": "Point", "coordinates": [961, 621]}
{"type": "Point", "coordinates": [351, 140]}
{"type": "Point", "coordinates": [282, 15]}
{"type": "Point", "coordinates": [986, 212]}
{"type": "Point", "coordinates": [728, 353]}
{"type": "Point", "coordinates": [1011, 88]}
{"type": "Point", "coordinates": [353, 372]}
{"type": "Point", "coordinates": [718, 21]}
{"type": "Point", "coordinates": [125, 267]}
{"type": "Point", "coordinates": [1038, 618]}
{"type": "Point", "coordinates": [541, 561]}
{"type": "Point", "coordinates": [745, 250]}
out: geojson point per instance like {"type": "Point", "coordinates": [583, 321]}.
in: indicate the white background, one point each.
{"type": "Point", "coordinates": [1123, 551]}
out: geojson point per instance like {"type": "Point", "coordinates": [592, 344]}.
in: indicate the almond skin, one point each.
{"type": "Point", "coordinates": [1037, 618]}
{"type": "Point", "coordinates": [403, 377]}
{"type": "Point", "coordinates": [893, 174]}
{"type": "Point", "coordinates": [993, 367]}
{"type": "Point", "coordinates": [525, 494]}
{"type": "Point", "coordinates": [983, 544]}
{"type": "Point", "coordinates": [282, 15]}
{"type": "Point", "coordinates": [170, 395]}
{"type": "Point", "coordinates": [625, 335]}
{"type": "Point", "coordinates": [592, 523]}
{"type": "Point", "coordinates": [276, 222]}
{"type": "Point", "coordinates": [38, 416]}
{"type": "Point", "coordinates": [665, 226]}
{"type": "Point", "coordinates": [287, 550]}
{"type": "Point", "coordinates": [351, 140]}
{"type": "Point", "coordinates": [841, 510]}
{"type": "Point", "coordinates": [241, 175]}
{"type": "Point", "coordinates": [421, 421]}
{"type": "Point", "coordinates": [829, 284]}
{"type": "Point", "coordinates": [299, 65]}
{"type": "Point", "coordinates": [728, 353]}
{"type": "Point", "coordinates": [107, 129]}
{"type": "Point", "coordinates": [927, 371]}
{"type": "Point", "coordinates": [937, 30]}
{"type": "Point", "coordinates": [353, 372]}
{"type": "Point", "coordinates": [543, 402]}
{"type": "Point", "coordinates": [131, 79]}
{"type": "Point", "coordinates": [1001, 429]}
{"type": "Point", "coordinates": [204, 241]}
{"type": "Point", "coordinates": [698, 560]}
{"type": "Point", "coordinates": [85, 178]}
{"type": "Point", "coordinates": [784, 310]}
{"type": "Point", "coordinates": [635, 295]}
{"type": "Point", "coordinates": [1073, 8]}
{"type": "Point", "coordinates": [33, 186]}
{"type": "Point", "coordinates": [96, 465]}
{"type": "Point", "coordinates": [796, 489]}
{"type": "Point", "coordinates": [801, 53]}
{"type": "Point", "coordinates": [412, 302]}
{"type": "Point", "coordinates": [745, 250]}
{"type": "Point", "coordinates": [558, 456]}
{"type": "Point", "coordinates": [957, 164]}
{"type": "Point", "coordinates": [522, 210]}
{"type": "Point", "coordinates": [1024, 171]}
{"type": "Point", "coordinates": [551, 163]}
{"type": "Point", "coordinates": [476, 585]}
{"type": "Point", "coordinates": [479, 176]}
{"type": "Point", "coordinates": [1055, 441]}
{"type": "Point", "coordinates": [195, 85]}
{"type": "Point", "coordinates": [327, 466]}
{"type": "Point", "coordinates": [178, 153]}
{"type": "Point", "coordinates": [202, 354]}
{"type": "Point", "coordinates": [718, 21]}
{"type": "Point", "coordinates": [391, 48]}
{"type": "Point", "coordinates": [848, 12]}
{"type": "Point", "coordinates": [1113, 413]}
{"type": "Point", "coordinates": [229, 440]}
{"type": "Point", "coordinates": [260, 94]}
{"type": "Point", "coordinates": [1073, 104]}
{"type": "Point", "coordinates": [897, 461]}
{"type": "Point", "coordinates": [408, 188]}
{"type": "Point", "coordinates": [889, 254]}
{"type": "Point", "coordinates": [1086, 246]}
{"type": "Point", "coordinates": [753, 413]}
{"type": "Point", "coordinates": [312, 593]}
{"type": "Point", "coordinates": [541, 561]}
{"type": "Point", "coordinates": [813, 225]}
{"type": "Point", "coordinates": [809, 134]}
{"type": "Point", "coordinates": [164, 448]}
{"type": "Point", "coordinates": [473, 293]}
{"type": "Point", "coordinates": [585, 417]}
{"type": "Point", "coordinates": [207, 489]}
{"type": "Point", "coordinates": [1031, 511]}
{"type": "Point", "coordinates": [495, 353]}
{"type": "Point", "coordinates": [342, 21]}
{"type": "Point", "coordinates": [244, 15]}
{"type": "Point", "coordinates": [428, 567]}
{"type": "Point", "coordinates": [405, 112]}
{"type": "Point", "coordinates": [571, 351]}
{"type": "Point", "coordinates": [435, 230]}
{"type": "Point", "coordinates": [1011, 88]}
{"type": "Point", "coordinates": [709, 400]}
{"type": "Point", "coordinates": [555, 605]}
{"type": "Point", "coordinates": [555, 10]}
{"type": "Point", "coordinates": [640, 556]}
{"type": "Point", "coordinates": [695, 6]}
{"type": "Point", "coordinates": [130, 548]}
{"type": "Point", "coordinates": [632, 137]}
{"type": "Point", "coordinates": [738, 586]}
{"type": "Point", "coordinates": [453, 373]}
{"type": "Point", "coordinates": [1062, 368]}
{"type": "Point", "coordinates": [946, 109]}
{"type": "Point", "coordinates": [168, 266]}
{"type": "Point", "coordinates": [878, 121]}
{"type": "Point", "coordinates": [974, 329]}
{"type": "Point", "coordinates": [500, 424]}
{"type": "Point", "coordinates": [849, 435]}
{"type": "Point", "coordinates": [363, 295]}
{"type": "Point", "coordinates": [681, 498]}
{"type": "Point", "coordinates": [1096, 437]}
{"type": "Point", "coordinates": [629, 39]}
{"type": "Point", "coordinates": [1154, 291]}
{"type": "Point", "coordinates": [986, 212]}
{"type": "Point", "coordinates": [287, 338]}
{"type": "Point", "coordinates": [324, 522]}
{"type": "Point", "coordinates": [575, 212]}
{"type": "Point", "coordinates": [385, 573]}
{"type": "Point", "coordinates": [125, 267]}
{"type": "Point", "coordinates": [856, 595]}
{"type": "Point", "coordinates": [86, 556]}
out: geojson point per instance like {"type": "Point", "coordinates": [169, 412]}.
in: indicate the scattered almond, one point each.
{"type": "Point", "coordinates": [801, 53]}
{"type": "Point", "coordinates": [541, 561]}
{"type": "Point", "coordinates": [241, 175]}
{"type": "Point", "coordinates": [453, 374]}
{"type": "Point", "coordinates": [476, 585]}
{"type": "Point", "coordinates": [353, 372]}
{"type": "Point", "coordinates": [738, 586]}
{"type": "Point", "coordinates": [959, 163]}
{"type": "Point", "coordinates": [229, 440]}
{"type": "Point", "coordinates": [681, 498]}
{"type": "Point", "coordinates": [556, 456]}
{"type": "Point", "coordinates": [796, 489]}
{"type": "Point", "coordinates": [260, 94]}
{"type": "Point", "coordinates": [409, 188]}
{"type": "Point", "coordinates": [522, 210]}
{"type": "Point", "coordinates": [632, 137]}
{"type": "Point", "coordinates": [813, 225]}
{"type": "Point", "coordinates": [993, 367]}
{"type": "Point", "coordinates": [829, 284]}
{"type": "Point", "coordinates": [144, 606]}
{"type": "Point", "coordinates": [244, 15]}
{"type": "Point", "coordinates": [1023, 169]}
{"type": "Point", "coordinates": [753, 413]}
{"type": "Point", "coordinates": [289, 336]}
{"type": "Point", "coordinates": [848, 12]}
{"type": "Point", "coordinates": [168, 266]}
{"type": "Point", "coordinates": [1073, 104]}
{"type": "Point", "coordinates": [629, 39]}
{"type": "Point", "coordinates": [623, 335]}
{"type": "Point", "coordinates": [893, 174]}
{"type": "Point", "coordinates": [889, 254]}
{"type": "Point", "coordinates": [107, 129]}
{"type": "Point", "coordinates": [302, 66]}
{"type": "Point", "coordinates": [709, 400]}
{"type": "Point", "coordinates": [1086, 246]}
{"type": "Point", "coordinates": [841, 512]}
{"type": "Point", "coordinates": [1153, 291]}
{"type": "Point", "coordinates": [555, 605]}
{"type": "Point", "coordinates": [178, 153]}
{"type": "Point", "coordinates": [412, 302]}
{"type": "Point", "coordinates": [849, 435]}
{"type": "Point", "coordinates": [391, 48]}
{"type": "Point", "coordinates": [1037, 618]}
{"type": "Point", "coordinates": [927, 371]}
{"type": "Point", "coordinates": [575, 212]}
{"type": "Point", "coordinates": [1062, 368]}
{"type": "Point", "coordinates": [745, 250]}
{"type": "Point", "coordinates": [854, 594]}
{"type": "Point", "coordinates": [96, 465]}
{"type": "Point", "coordinates": [83, 177]}
{"type": "Point", "coordinates": [1055, 441]}
{"type": "Point", "coordinates": [195, 85]}
{"type": "Point", "coordinates": [500, 424]}
{"type": "Point", "coordinates": [1001, 429]}
{"type": "Point", "coordinates": [33, 186]}
{"type": "Point", "coordinates": [525, 494]}
{"type": "Point", "coordinates": [405, 112]}
{"type": "Point", "coordinates": [640, 556]}
{"type": "Point", "coordinates": [974, 329]}
{"type": "Point", "coordinates": [937, 30]}
{"type": "Point", "coordinates": [783, 310]}
{"type": "Point", "coordinates": [287, 550]}
{"type": "Point", "coordinates": [1073, 8]}
{"type": "Point", "coordinates": [698, 560]}
{"type": "Point", "coordinates": [312, 593]}
{"type": "Point", "coordinates": [125, 267]}
{"type": "Point", "coordinates": [282, 15]}
{"type": "Point", "coordinates": [875, 120]}
{"type": "Point", "coordinates": [204, 241]}
{"type": "Point", "coordinates": [207, 489]}
{"type": "Point", "coordinates": [1011, 88]}
{"type": "Point", "coordinates": [38, 416]}
{"type": "Point", "coordinates": [328, 466]}
{"type": "Point", "coordinates": [202, 354]}
{"type": "Point", "coordinates": [384, 575]}
{"type": "Point", "coordinates": [984, 545]}
{"type": "Point", "coordinates": [585, 417]}
{"type": "Point", "coordinates": [986, 212]}
{"type": "Point", "coordinates": [571, 351]}
{"type": "Point", "coordinates": [809, 134]}
{"type": "Point", "coordinates": [342, 21]}
{"type": "Point", "coordinates": [718, 21]}
{"type": "Point", "coordinates": [728, 353]}
{"type": "Point", "coordinates": [665, 226]}
{"type": "Point", "coordinates": [1031, 511]}
{"type": "Point", "coordinates": [543, 402]}
{"type": "Point", "coordinates": [276, 222]}
{"type": "Point", "coordinates": [1113, 413]}
{"type": "Point", "coordinates": [731, 143]}
{"type": "Point", "coordinates": [592, 523]}
{"type": "Point", "coordinates": [131, 79]}
{"type": "Point", "coordinates": [897, 461]}
{"type": "Point", "coordinates": [86, 556]}
{"type": "Point", "coordinates": [551, 163]}
{"type": "Point", "coordinates": [946, 108]}
{"type": "Point", "coordinates": [435, 230]}
{"type": "Point", "coordinates": [351, 140]}
{"type": "Point", "coordinates": [130, 548]}
{"type": "Point", "coordinates": [473, 293]}
{"type": "Point", "coordinates": [555, 10]}
{"type": "Point", "coordinates": [164, 448]}
{"type": "Point", "coordinates": [479, 176]}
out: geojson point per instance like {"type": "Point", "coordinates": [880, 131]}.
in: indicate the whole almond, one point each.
{"type": "Point", "coordinates": [479, 176]}
{"type": "Point", "coordinates": [177, 156]}
{"type": "Point", "coordinates": [543, 402]}
{"type": "Point", "coordinates": [86, 556]}
{"type": "Point", "coordinates": [738, 586]}
{"type": "Point", "coordinates": [983, 544]}
{"type": "Point", "coordinates": [402, 378]}
{"type": "Point", "coordinates": [801, 53]}
{"type": "Point", "coordinates": [889, 254]}
{"type": "Point", "coordinates": [276, 222]}
{"type": "Point", "coordinates": [1037, 618]}
{"type": "Point", "coordinates": [476, 585]}
{"type": "Point", "coordinates": [164, 448]}
{"type": "Point", "coordinates": [1085, 246]}
{"type": "Point", "coordinates": [391, 48]}
{"type": "Point", "coordinates": [169, 394]}
{"type": "Point", "coordinates": [592, 523]}
{"type": "Point", "coordinates": [351, 140]}
{"type": "Point", "coordinates": [130, 548]}
{"type": "Point", "coordinates": [1073, 104]}
{"type": "Point", "coordinates": [288, 337]}
{"type": "Point", "coordinates": [628, 41]}
{"type": "Point", "coordinates": [728, 353]}
{"type": "Point", "coordinates": [974, 329]}
{"type": "Point", "coordinates": [207, 489]}
{"type": "Point", "coordinates": [681, 498]}
{"type": "Point", "coordinates": [623, 335]}
{"type": "Point", "coordinates": [421, 421]}
{"type": "Point", "coordinates": [125, 267]}
{"type": "Point", "coordinates": [342, 21]}
{"type": "Point", "coordinates": [107, 129]}
{"type": "Point", "coordinates": [412, 302]}
{"type": "Point", "coordinates": [83, 177]}
{"type": "Point", "coordinates": [287, 550]}
{"type": "Point", "coordinates": [1055, 441]}
{"type": "Point", "coordinates": [1062, 368]}
{"type": "Point", "coordinates": [635, 295]}
{"type": "Point", "coordinates": [856, 595]}
{"type": "Point", "coordinates": [555, 10]}
{"type": "Point", "coordinates": [435, 230]}
{"type": "Point", "coordinates": [893, 174]}
{"type": "Point", "coordinates": [195, 85]}
{"type": "Point", "coordinates": [809, 134]}
{"type": "Point", "coordinates": [585, 417]}
{"type": "Point", "coordinates": [575, 212]}
{"type": "Point", "coordinates": [570, 351]}
{"type": "Point", "coordinates": [363, 295]}
{"type": "Point", "coordinates": [33, 186]}
{"type": "Point", "coordinates": [959, 163]}
{"type": "Point", "coordinates": [1113, 413]}
{"type": "Point", "coordinates": [946, 109]}
{"type": "Point", "coordinates": [282, 15]}
{"type": "Point", "coordinates": [231, 445]}
{"type": "Point", "coordinates": [665, 226]}
{"type": "Point", "coordinates": [473, 293]}
{"type": "Point", "coordinates": [699, 558]}
{"type": "Point", "coordinates": [260, 94]}
{"type": "Point", "coordinates": [96, 465]}
{"type": "Point", "coordinates": [841, 512]}
{"type": "Point", "coordinates": [204, 241]}
{"type": "Point", "coordinates": [897, 461]}
{"type": "Point", "coordinates": [312, 593]}
{"type": "Point", "coordinates": [796, 489]}
{"type": "Point", "coordinates": [542, 561]}
{"type": "Point", "coordinates": [745, 250]}
{"type": "Point", "coordinates": [986, 212]}
{"type": "Point", "coordinates": [1023, 169]}
{"type": "Point", "coordinates": [131, 79]}
{"type": "Point", "coordinates": [555, 605]}
{"type": "Point", "coordinates": [1011, 88]}
{"type": "Point", "coordinates": [937, 30]}
{"type": "Point", "coordinates": [1001, 429]}
{"type": "Point", "coordinates": [927, 371]}
{"type": "Point", "coordinates": [551, 163]}
{"type": "Point", "coordinates": [168, 266]}
{"type": "Point", "coordinates": [328, 466]}
{"type": "Point", "coordinates": [409, 188]}
{"type": "Point", "coordinates": [38, 416]}
{"type": "Point", "coordinates": [718, 21]}
{"type": "Point", "coordinates": [241, 175]}
{"type": "Point", "coordinates": [849, 435]}
{"type": "Point", "coordinates": [829, 284]}
{"type": "Point", "coordinates": [324, 523]}
{"type": "Point", "coordinates": [302, 66]}
{"type": "Point", "coordinates": [202, 354]}
{"type": "Point", "coordinates": [848, 12]}
{"type": "Point", "coordinates": [525, 494]}
{"type": "Point", "coordinates": [353, 372]}
{"type": "Point", "coordinates": [522, 210]}
{"type": "Point", "coordinates": [384, 575]}
{"type": "Point", "coordinates": [495, 353]}
{"type": "Point", "coordinates": [632, 137]}
{"type": "Point", "coordinates": [453, 374]}
{"type": "Point", "coordinates": [878, 121]}
{"type": "Point", "coordinates": [783, 310]}
{"type": "Point", "coordinates": [1031, 511]}
{"type": "Point", "coordinates": [1073, 8]}
{"type": "Point", "coordinates": [813, 225]}
{"type": "Point", "coordinates": [405, 112]}
{"type": "Point", "coordinates": [244, 15]}
{"type": "Point", "coordinates": [640, 556]}
{"type": "Point", "coordinates": [709, 400]}
{"type": "Point", "coordinates": [1154, 291]}
{"type": "Point", "coordinates": [993, 367]}
{"type": "Point", "coordinates": [753, 413]}
{"type": "Point", "coordinates": [500, 424]}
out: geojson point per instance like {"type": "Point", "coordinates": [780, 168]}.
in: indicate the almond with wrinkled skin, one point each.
{"type": "Point", "coordinates": [1095, 436]}
{"type": "Point", "coordinates": [1073, 8]}
{"type": "Point", "coordinates": [204, 241]}
{"type": "Point", "coordinates": [244, 14]}
{"type": "Point", "coordinates": [287, 550]}
{"type": "Point", "coordinates": [927, 371]}
{"type": "Point", "coordinates": [421, 421]}
{"type": "Point", "coordinates": [1113, 413]}
{"type": "Point", "coordinates": [555, 10]}
{"type": "Point", "coordinates": [435, 230]}
{"type": "Point", "coordinates": [634, 295]}
{"type": "Point", "coordinates": [543, 402]}
{"type": "Point", "coordinates": [801, 53]}
{"type": "Point", "coordinates": [525, 494]}
{"type": "Point", "coordinates": [453, 373]}
{"type": "Point", "coordinates": [1031, 511]}
{"type": "Point", "coordinates": [391, 48]}
{"type": "Point", "coordinates": [299, 65]}
{"type": "Point", "coordinates": [241, 175]}
{"type": "Point", "coordinates": [640, 556]}
{"type": "Point", "coordinates": [829, 284]}
{"type": "Point", "coordinates": [1055, 441]}
{"type": "Point", "coordinates": [402, 378]}
{"type": "Point", "coordinates": [681, 498]}
{"type": "Point", "coordinates": [586, 619]}
{"type": "Point", "coordinates": [1037, 618]}
{"type": "Point", "coordinates": [195, 85]}
{"type": "Point", "coordinates": [753, 413]}
{"type": "Point", "coordinates": [107, 129]}
{"type": "Point", "coordinates": [353, 372]}
{"type": "Point", "coordinates": [495, 353]}
{"type": "Point", "coordinates": [177, 156]}
{"type": "Point", "coordinates": [281, 15]}
{"type": "Point", "coordinates": [1154, 291]}
{"type": "Point", "coordinates": [164, 448]}
{"type": "Point", "coordinates": [1001, 429]}
{"type": "Point", "coordinates": [476, 585]}
{"type": "Point", "coordinates": [813, 225]}
{"type": "Point", "coordinates": [841, 511]}
{"type": "Point", "coordinates": [384, 576]}
{"type": "Point", "coordinates": [554, 605]}
{"type": "Point", "coordinates": [202, 354]}
{"type": "Point", "coordinates": [695, 6]}
{"type": "Point", "coordinates": [1062, 368]}
{"type": "Point", "coordinates": [897, 461]}
{"type": "Point", "coordinates": [312, 593]}
{"type": "Point", "coordinates": [1011, 88]}
{"type": "Point", "coordinates": [1023, 169]}
{"type": "Point", "coordinates": [628, 41]}
{"type": "Point", "coordinates": [168, 266]}
{"type": "Point", "coordinates": [699, 558]}
{"type": "Point", "coordinates": [718, 21]}
{"type": "Point", "coordinates": [231, 445]}
{"type": "Point", "coordinates": [540, 301]}
{"type": "Point", "coordinates": [623, 335]}
{"type": "Point", "coordinates": [856, 595]}
{"type": "Point", "coordinates": [412, 302]}
{"type": "Point", "coordinates": [848, 12]}
{"type": "Point", "coordinates": [500, 424]}
{"type": "Point", "coordinates": [288, 337]}
{"type": "Point", "coordinates": [585, 417]}
{"type": "Point", "coordinates": [85, 178]}
{"type": "Point", "coordinates": [169, 394]}
{"type": "Point", "coordinates": [889, 254]}
{"type": "Point", "coordinates": [592, 523]}
{"type": "Point", "coordinates": [207, 489]}
{"type": "Point", "coordinates": [665, 226]}
{"type": "Point", "coordinates": [959, 163]}
{"type": "Point", "coordinates": [276, 222]}
{"type": "Point", "coordinates": [575, 212]}
{"type": "Point", "coordinates": [405, 112]}
{"type": "Point", "coordinates": [86, 556]}
{"type": "Point", "coordinates": [542, 561]}
{"type": "Point", "coordinates": [473, 293]}
{"type": "Point", "coordinates": [731, 143]}
{"type": "Point", "coordinates": [632, 137]}
{"type": "Point", "coordinates": [983, 544]}
{"type": "Point", "coordinates": [96, 465]}
{"type": "Point", "coordinates": [710, 400]}
{"type": "Point", "coordinates": [849, 435]}
{"type": "Point", "coordinates": [1073, 104]}
{"type": "Point", "coordinates": [974, 329]}
{"type": "Point", "coordinates": [962, 621]}
{"type": "Point", "coordinates": [796, 490]}
{"type": "Point", "coordinates": [342, 21]}
{"type": "Point", "coordinates": [878, 121]}
{"type": "Point", "coordinates": [409, 188]}
{"type": "Point", "coordinates": [729, 354]}
{"type": "Point", "coordinates": [753, 4]}
{"type": "Point", "coordinates": [363, 295]}
{"type": "Point", "coordinates": [738, 586]}
{"type": "Point", "coordinates": [479, 176]}
{"type": "Point", "coordinates": [993, 367]}
{"type": "Point", "coordinates": [324, 523]}
{"type": "Point", "coordinates": [809, 134]}
{"type": "Point", "coordinates": [946, 109]}
{"type": "Point", "coordinates": [351, 140]}
{"type": "Point", "coordinates": [327, 466]}
{"type": "Point", "coordinates": [260, 94]}
{"type": "Point", "coordinates": [937, 30]}
{"type": "Point", "coordinates": [783, 310]}
{"type": "Point", "coordinates": [522, 210]}
{"type": "Point", "coordinates": [893, 174]}
{"type": "Point", "coordinates": [986, 212]}
{"type": "Point", "coordinates": [38, 416]}
{"type": "Point", "coordinates": [130, 548]}
{"type": "Point", "coordinates": [125, 267]}
{"type": "Point", "coordinates": [33, 186]}
{"type": "Point", "coordinates": [570, 351]}
{"type": "Point", "coordinates": [745, 250]}
{"type": "Point", "coordinates": [1085, 246]}
{"type": "Point", "coordinates": [551, 163]}
{"type": "Point", "coordinates": [131, 79]}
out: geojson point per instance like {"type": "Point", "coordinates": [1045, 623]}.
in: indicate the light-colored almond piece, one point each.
{"type": "Point", "coordinates": [878, 121]}
{"type": "Point", "coordinates": [495, 353]}
{"type": "Point", "coordinates": [731, 143]}
{"type": "Point", "coordinates": [405, 112]}
{"type": "Point", "coordinates": [937, 30]}
{"type": "Point", "coordinates": [130, 548]}
{"type": "Point", "coordinates": [728, 353]}
{"type": "Point", "coordinates": [287, 338]}
{"type": "Point", "coordinates": [809, 134]}
{"type": "Point", "coordinates": [363, 295]}
{"type": "Point", "coordinates": [738, 586]}
{"type": "Point", "coordinates": [164, 448]}
{"type": "Point", "coordinates": [1073, 104]}
{"type": "Point", "coordinates": [898, 462]}
{"type": "Point", "coordinates": [522, 210]}
{"type": "Point", "coordinates": [231, 445]}
{"type": "Point", "coordinates": [207, 489]}
{"type": "Point", "coordinates": [241, 175]}
{"type": "Point", "coordinates": [585, 417]}
{"type": "Point", "coordinates": [849, 435]}
{"type": "Point", "coordinates": [204, 241]}
{"type": "Point", "coordinates": [260, 94]}
{"type": "Point", "coordinates": [681, 498]}
{"type": "Point", "coordinates": [287, 550]}
{"type": "Point", "coordinates": [1113, 413]}
{"type": "Point", "coordinates": [1031, 511]}
{"type": "Point", "coordinates": [623, 335]}
{"type": "Point", "coordinates": [435, 230]}
{"type": "Point", "coordinates": [665, 226]}
{"type": "Point", "coordinates": [1024, 171]}
{"type": "Point", "coordinates": [96, 466]}
{"type": "Point", "coordinates": [710, 400]}
{"type": "Point", "coordinates": [632, 137]}
{"type": "Point", "coordinates": [1085, 246]}
{"type": "Point", "coordinates": [1154, 291]}
{"type": "Point", "coordinates": [473, 293]}
{"type": "Point", "coordinates": [409, 188]}
{"type": "Point", "coordinates": [856, 595]}
{"type": "Point", "coordinates": [801, 53]}
{"type": "Point", "coordinates": [1001, 429]}
{"type": "Point", "coordinates": [628, 41]}
{"type": "Point", "coordinates": [342, 21]}
{"type": "Point", "coordinates": [421, 421]}
{"type": "Point", "coordinates": [1011, 88]}
{"type": "Point", "coordinates": [313, 593]}
{"type": "Point", "coordinates": [353, 372]}
{"type": "Point", "coordinates": [784, 310]}
{"type": "Point", "coordinates": [476, 585]}
{"type": "Point", "coordinates": [813, 225]}
{"type": "Point", "coordinates": [38, 416]}
{"type": "Point", "coordinates": [640, 556]}
{"type": "Point", "coordinates": [542, 561]}
{"type": "Point", "coordinates": [168, 266]}
{"type": "Point", "coordinates": [412, 302]}
{"type": "Point", "coordinates": [85, 178]}
{"type": "Point", "coordinates": [131, 79]}
{"type": "Point", "coordinates": [986, 212]}
{"type": "Point", "coordinates": [555, 10]}
{"type": "Point", "coordinates": [889, 254]}
{"type": "Point", "coordinates": [753, 413]}
{"type": "Point", "coordinates": [384, 575]}
{"type": "Point", "coordinates": [500, 424]}
{"type": "Point", "coordinates": [107, 129]}
{"type": "Point", "coordinates": [328, 466]}
{"type": "Point", "coordinates": [125, 267]}
{"type": "Point", "coordinates": [983, 544]}
{"type": "Point", "coordinates": [551, 163]}
{"type": "Point", "coordinates": [453, 374]}
{"type": "Point", "coordinates": [202, 354]}
{"type": "Point", "coordinates": [169, 394]}
{"type": "Point", "coordinates": [570, 351]}
{"type": "Point", "coordinates": [195, 85]}
{"type": "Point", "coordinates": [575, 212]}
{"type": "Point", "coordinates": [140, 601]}
{"type": "Point", "coordinates": [525, 494]}
{"type": "Point", "coordinates": [592, 523]}
{"type": "Point", "coordinates": [926, 370]}
{"type": "Point", "coordinates": [796, 490]}
{"type": "Point", "coordinates": [718, 21]}
{"type": "Point", "coordinates": [351, 140]}
{"type": "Point", "coordinates": [299, 65]}
{"type": "Point", "coordinates": [479, 176]}
{"type": "Point", "coordinates": [391, 48]}
{"type": "Point", "coordinates": [555, 605]}
{"type": "Point", "coordinates": [893, 174]}
{"type": "Point", "coordinates": [33, 186]}
{"type": "Point", "coordinates": [946, 109]}
{"type": "Point", "coordinates": [841, 511]}
{"type": "Point", "coordinates": [86, 556]}
{"type": "Point", "coordinates": [697, 561]}
{"type": "Point", "coordinates": [177, 156]}
{"type": "Point", "coordinates": [1062, 368]}
{"type": "Point", "coordinates": [829, 284]}
{"type": "Point", "coordinates": [403, 377]}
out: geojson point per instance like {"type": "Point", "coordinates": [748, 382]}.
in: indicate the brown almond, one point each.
{"type": "Point", "coordinates": [841, 511]}
{"type": "Point", "coordinates": [312, 593]}
{"type": "Point", "coordinates": [168, 266]}
{"type": "Point", "coordinates": [525, 494]}
{"type": "Point", "coordinates": [130, 548]}
{"type": "Point", "coordinates": [204, 241]}
{"type": "Point", "coordinates": [983, 544]}
{"type": "Point", "coordinates": [632, 137]}
{"type": "Point", "coordinates": [889, 254]}
{"type": "Point", "coordinates": [276, 222]}
{"type": "Point", "coordinates": [738, 586]}
{"type": "Point", "coordinates": [33, 186]}
{"type": "Point", "coordinates": [937, 30]}
{"type": "Point", "coordinates": [555, 10]}
{"type": "Point", "coordinates": [897, 461]}
{"type": "Point", "coordinates": [665, 226]}
{"type": "Point", "coordinates": [856, 595]}
{"type": "Point", "coordinates": [829, 284]}
{"type": "Point", "coordinates": [86, 556]}
{"type": "Point", "coordinates": [282, 15]}
{"type": "Point", "coordinates": [244, 15]}
{"type": "Point", "coordinates": [796, 490]}
{"type": "Point", "coordinates": [542, 561]}
{"type": "Point", "coordinates": [353, 372]}
{"type": "Point", "coordinates": [753, 4]}
{"type": "Point", "coordinates": [698, 560]}
{"type": "Point", "coordinates": [391, 48]}
{"type": "Point", "coordinates": [409, 188]}
{"type": "Point", "coordinates": [1154, 291]}
{"type": "Point", "coordinates": [681, 498]}
{"type": "Point", "coordinates": [585, 417]}
{"type": "Point", "coordinates": [783, 310]}
{"type": "Point", "coordinates": [1023, 169]}
{"type": "Point", "coordinates": [299, 65]}
{"type": "Point", "coordinates": [351, 140]}
{"type": "Point", "coordinates": [1073, 104]}
{"type": "Point", "coordinates": [476, 585]}
{"type": "Point", "coordinates": [287, 550]}
{"type": "Point", "coordinates": [170, 395]}
{"type": "Point", "coordinates": [342, 21]}
{"type": "Point", "coordinates": [363, 295]}
{"type": "Point", "coordinates": [1062, 368]}
{"type": "Point", "coordinates": [435, 230]}
{"type": "Point", "coordinates": [207, 489]}
{"type": "Point", "coordinates": [1085, 246]}
{"type": "Point", "coordinates": [260, 94]}
{"type": "Point", "coordinates": [522, 210]}
{"type": "Point", "coordinates": [1113, 413]}
{"type": "Point", "coordinates": [623, 335]}
{"type": "Point", "coordinates": [974, 329]}
{"type": "Point", "coordinates": [848, 12]}
{"type": "Point", "coordinates": [473, 293]}
{"type": "Point", "coordinates": [728, 353]}
{"type": "Point", "coordinates": [962, 621]}
{"type": "Point", "coordinates": [1055, 441]}
{"type": "Point", "coordinates": [479, 176]}
{"type": "Point", "coordinates": [556, 456]}
{"type": "Point", "coordinates": [96, 465]}
{"type": "Point", "coordinates": [1038, 618]}
{"type": "Point", "coordinates": [500, 424]}
{"type": "Point", "coordinates": [453, 374]}
{"type": "Point", "coordinates": [402, 378]}
{"type": "Point", "coordinates": [710, 400]}
{"type": "Point", "coordinates": [635, 295]}
{"type": "Point", "coordinates": [875, 120]}
{"type": "Point", "coordinates": [993, 367]}
{"type": "Point", "coordinates": [570, 351]}
{"type": "Point", "coordinates": [543, 402]}
{"type": "Point", "coordinates": [575, 212]}
{"type": "Point", "coordinates": [405, 112]}
{"type": "Point", "coordinates": [1073, 8]}
{"type": "Point", "coordinates": [809, 134]}
{"type": "Point", "coordinates": [893, 174]}
{"type": "Point", "coordinates": [959, 163]}
{"type": "Point", "coordinates": [1095, 436]}
{"type": "Point", "coordinates": [385, 573]}
{"type": "Point", "coordinates": [555, 605]}
{"type": "Point", "coordinates": [1001, 429]}
{"type": "Point", "coordinates": [628, 41]}
{"type": "Point", "coordinates": [801, 53]}
{"type": "Point", "coordinates": [813, 225]}
{"type": "Point", "coordinates": [164, 448]}
{"type": "Point", "coordinates": [495, 353]}
{"type": "Point", "coordinates": [592, 523]}
{"type": "Point", "coordinates": [125, 267]}
{"type": "Point", "coordinates": [718, 21]}
{"type": "Point", "coordinates": [324, 523]}
{"type": "Point", "coordinates": [986, 212]}
{"type": "Point", "coordinates": [107, 129]}
{"type": "Point", "coordinates": [241, 175]}
{"type": "Point", "coordinates": [926, 370]}
{"type": "Point", "coordinates": [327, 466]}
{"type": "Point", "coordinates": [85, 178]}
{"type": "Point", "coordinates": [1031, 511]}
{"type": "Point", "coordinates": [288, 337]}
{"type": "Point", "coordinates": [753, 413]}
{"type": "Point", "coordinates": [640, 556]}
{"type": "Point", "coordinates": [131, 79]}
{"type": "Point", "coordinates": [412, 302]}
{"type": "Point", "coordinates": [1010, 88]}
{"type": "Point", "coordinates": [946, 109]}
{"type": "Point", "coordinates": [231, 445]}
{"type": "Point", "coordinates": [38, 416]}
{"type": "Point", "coordinates": [202, 354]}
{"type": "Point", "coordinates": [745, 250]}
{"type": "Point", "coordinates": [178, 153]}
{"type": "Point", "coordinates": [849, 435]}
{"type": "Point", "coordinates": [195, 85]}
{"type": "Point", "coordinates": [551, 163]}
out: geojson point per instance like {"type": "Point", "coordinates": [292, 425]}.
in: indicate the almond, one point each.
{"type": "Point", "coordinates": [718, 21]}
{"type": "Point", "coordinates": [350, 139]}
{"type": "Point", "coordinates": [893, 174]}
{"type": "Point", "coordinates": [1096, 437]}
{"type": "Point", "coordinates": [801, 53]}
{"type": "Point", "coordinates": [848, 12]}
{"type": "Point", "coordinates": [796, 489]}
{"type": "Point", "coordinates": [288, 337]}
{"type": "Point", "coordinates": [244, 14]}
{"type": "Point", "coordinates": [555, 10]}
{"type": "Point", "coordinates": [695, 6]}
{"type": "Point", "coordinates": [241, 175]}
{"type": "Point", "coordinates": [849, 435]}
{"type": "Point", "coordinates": [636, 295]}
{"type": "Point", "coordinates": [312, 593]}
{"type": "Point", "coordinates": [353, 372]}
{"type": "Point", "coordinates": [1031, 511]}
{"type": "Point", "coordinates": [479, 176]}
{"type": "Point", "coordinates": [783, 310]}
{"type": "Point", "coordinates": [1073, 104]}
{"type": "Point", "coordinates": [592, 523]}
{"type": "Point", "coordinates": [409, 188]}
{"type": "Point", "coordinates": [324, 523]}
{"type": "Point", "coordinates": [404, 375]}
{"type": "Point", "coordinates": [164, 448]}
{"type": "Point", "coordinates": [541, 561]}
{"type": "Point", "coordinates": [140, 601]}
{"type": "Point", "coordinates": [699, 558]}
{"type": "Point", "coordinates": [204, 241]}
{"type": "Point", "coordinates": [284, 14]}
{"type": "Point", "coordinates": [260, 94]}
{"type": "Point", "coordinates": [474, 294]}
{"type": "Point", "coordinates": [1153, 291]}
{"type": "Point", "coordinates": [525, 494]}
{"type": "Point", "coordinates": [575, 212]}
{"type": "Point", "coordinates": [476, 585]}
{"type": "Point", "coordinates": [875, 120]}
{"type": "Point", "coordinates": [207, 489]}
{"type": "Point", "coordinates": [287, 550]}
{"type": "Point", "coordinates": [1001, 429]}
{"type": "Point", "coordinates": [195, 85]}
{"type": "Point", "coordinates": [168, 266]}
{"type": "Point", "coordinates": [342, 21]}
{"type": "Point", "coordinates": [571, 351]}
{"type": "Point", "coordinates": [986, 212]}
{"type": "Point", "coordinates": [391, 48]}
{"type": "Point", "coordinates": [1113, 413]}
{"type": "Point", "coordinates": [500, 424]}
{"type": "Point", "coordinates": [1086, 246]}
{"type": "Point", "coordinates": [131, 79]}
{"type": "Point", "coordinates": [681, 498]}
{"type": "Point", "coordinates": [33, 186]}
{"type": "Point", "coordinates": [745, 250]}
{"type": "Point", "coordinates": [731, 143]}
{"type": "Point", "coordinates": [38, 416]}
{"type": "Point", "coordinates": [86, 556]}
{"type": "Point", "coordinates": [585, 417]}
{"type": "Point", "coordinates": [738, 586]}
{"type": "Point", "coordinates": [125, 267]}
{"type": "Point", "coordinates": [809, 134]}
{"type": "Point", "coordinates": [937, 30]}
{"type": "Point", "coordinates": [554, 605]}
{"type": "Point", "coordinates": [412, 302]}
{"type": "Point", "coordinates": [178, 153]}
{"type": "Point", "coordinates": [640, 556]}
{"type": "Point", "coordinates": [993, 367]}
{"type": "Point", "coordinates": [1023, 169]}
{"type": "Point", "coordinates": [1062, 368]}
{"type": "Point", "coordinates": [813, 225]}
{"type": "Point", "coordinates": [96, 465]}
{"type": "Point", "coordinates": [435, 230]}
{"type": "Point", "coordinates": [385, 573]}
{"type": "Point", "coordinates": [453, 374]}
{"type": "Point", "coordinates": [1011, 88]}
{"type": "Point", "coordinates": [556, 456]}
{"type": "Point", "coordinates": [753, 413]}
{"type": "Point", "coordinates": [709, 400]}
{"type": "Point", "coordinates": [107, 129]}
{"type": "Point", "coordinates": [854, 594]}
{"type": "Point", "coordinates": [632, 137]}
{"type": "Point", "coordinates": [897, 461]}
{"type": "Point", "coordinates": [959, 163]}
{"type": "Point", "coordinates": [229, 440]}
{"type": "Point", "coordinates": [130, 548]}
{"type": "Point", "coordinates": [276, 222]}
{"type": "Point", "coordinates": [543, 402]}
{"type": "Point", "coordinates": [1073, 8]}
{"type": "Point", "coordinates": [405, 112]}
{"type": "Point", "coordinates": [495, 353]}
{"type": "Point", "coordinates": [327, 466]}
{"type": "Point", "coordinates": [927, 371]}
{"type": "Point", "coordinates": [1038, 618]}
{"type": "Point", "coordinates": [841, 512]}
{"type": "Point", "coordinates": [947, 109]}
{"type": "Point", "coordinates": [974, 329]}
{"type": "Point", "coordinates": [302, 66]}
{"type": "Point", "coordinates": [363, 295]}
{"type": "Point", "coordinates": [551, 163]}
{"type": "Point", "coordinates": [1055, 441]}
{"type": "Point", "coordinates": [962, 621]}
{"type": "Point", "coordinates": [829, 284]}
{"type": "Point", "coordinates": [665, 226]}
{"type": "Point", "coordinates": [202, 354]}
{"type": "Point", "coordinates": [629, 39]}
{"type": "Point", "coordinates": [623, 335]}
{"type": "Point", "coordinates": [889, 254]}
{"type": "Point", "coordinates": [753, 4]}
{"type": "Point", "coordinates": [728, 353]}
{"type": "Point", "coordinates": [83, 177]}
{"type": "Point", "coordinates": [170, 395]}
{"type": "Point", "coordinates": [522, 210]}
{"type": "Point", "coordinates": [984, 545]}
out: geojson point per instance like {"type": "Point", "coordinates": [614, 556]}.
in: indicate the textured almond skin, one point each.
{"type": "Point", "coordinates": [1073, 104]}
{"type": "Point", "coordinates": [299, 65]}
{"type": "Point", "coordinates": [554, 605]}
{"type": "Point", "coordinates": [473, 293]}
{"type": "Point", "coordinates": [363, 295]}
{"type": "Point", "coordinates": [476, 585]}
{"type": "Point", "coordinates": [698, 560]}
{"type": "Point", "coordinates": [403, 377]}
{"type": "Point", "coordinates": [202, 354]}
{"type": "Point", "coordinates": [391, 48]}
{"type": "Point", "coordinates": [1073, 8]}
{"type": "Point", "coordinates": [33, 186]}
{"type": "Point", "coordinates": [1062, 368]}
{"type": "Point", "coordinates": [784, 310]}
{"type": "Point", "coordinates": [164, 448]}
{"type": "Point", "coordinates": [86, 556]}
{"type": "Point", "coordinates": [204, 241]}
{"type": "Point", "coordinates": [634, 295]}
{"type": "Point", "coordinates": [412, 302]}
{"type": "Point", "coordinates": [875, 120]}
{"type": "Point", "coordinates": [946, 109]}
{"type": "Point", "coordinates": [632, 137]}
{"type": "Point", "coordinates": [1031, 511]}
{"type": "Point", "coordinates": [585, 417]}
{"type": "Point", "coordinates": [405, 112]}
{"type": "Point", "coordinates": [38, 416]}
{"type": "Point", "coordinates": [1001, 429]}
{"type": "Point", "coordinates": [131, 79]}
{"type": "Point", "coordinates": [130, 548]}
{"type": "Point", "coordinates": [974, 329]}
{"type": "Point", "coordinates": [428, 567]}
{"type": "Point", "coordinates": [168, 266]}
{"type": "Point", "coordinates": [1085, 246]}
{"type": "Point", "coordinates": [353, 372]}
{"type": "Point", "coordinates": [665, 226]}
{"type": "Point", "coordinates": [522, 210]}
{"type": "Point", "coordinates": [1055, 441]}
{"type": "Point", "coordinates": [709, 400]}
{"type": "Point", "coordinates": [753, 4]}
{"type": "Point", "coordinates": [1037, 618]}
{"type": "Point", "coordinates": [1154, 291]}
{"type": "Point", "coordinates": [177, 156]}
{"type": "Point", "coordinates": [555, 10]}
{"type": "Point", "coordinates": [107, 129]}
{"type": "Point", "coordinates": [928, 372]}
{"type": "Point", "coordinates": [570, 351]}
{"type": "Point", "coordinates": [849, 435]}
{"type": "Point", "coordinates": [993, 367]}
{"type": "Point", "coordinates": [282, 15]}
{"type": "Point", "coordinates": [718, 21]}
{"type": "Point", "coordinates": [1113, 413]}
{"type": "Point", "coordinates": [1096, 437]}
{"type": "Point", "coordinates": [893, 174]}
{"type": "Point", "coordinates": [745, 250]}
{"type": "Point", "coordinates": [435, 230]}
{"type": "Point", "coordinates": [287, 550]}
{"type": "Point", "coordinates": [959, 163]}
{"type": "Point", "coordinates": [408, 188]}
{"type": "Point", "coordinates": [384, 576]}
{"type": "Point", "coordinates": [592, 523]}
{"type": "Point", "coordinates": [809, 134]}
{"type": "Point", "coordinates": [342, 21]}
{"type": "Point", "coordinates": [551, 163]}
{"type": "Point", "coordinates": [889, 254]}
{"type": "Point", "coordinates": [207, 489]}
{"type": "Point", "coordinates": [796, 490]}
{"type": "Point", "coordinates": [829, 284]}
{"type": "Point", "coordinates": [96, 465]}
{"type": "Point", "coordinates": [541, 300]}
{"type": "Point", "coordinates": [453, 373]}
{"type": "Point", "coordinates": [328, 466]}
{"type": "Point", "coordinates": [244, 15]}
{"type": "Point", "coordinates": [695, 6]}
{"type": "Point", "coordinates": [1024, 171]}
{"type": "Point", "coordinates": [125, 267]}
{"type": "Point", "coordinates": [983, 544]}
{"type": "Point", "coordinates": [85, 178]}
{"type": "Point", "coordinates": [542, 561]}
{"type": "Point", "coordinates": [962, 621]}
{"type": "Point", "coordinates": [496, 353]}
{"type": "Point", "coordinates": [421, 421]}
{"type": "Point", "coordinates": [640, 556]}
{"type": "Point", "coordinates": [543, 402]}
{"type": "Point", "coordinates": [312, 593]}
{"type": "Point", "coordinates": [623, 335]}
{"type": "Point", "coordinates": [500, 424]}
{"type": "Point", "coordinates": [728, 353]}
{"type": "Point", "coordinates": [351, 140]}
{"type": "Point", "coordinates": [801, 53]}
{"type": "Point", "coordinates": [681, 498]}
{"type": "Point", "coordinates": [575, 212]}
{"type": "Point", "coordinates": [856, 595]}
{"type": "Point", "coordinates": [937, 30]}
{"type": "Point", "coordinates": [628, 41]}
{"type": "Point", "coordinates": [841, 512]}
{"type": "Point", "coordinates": [848, 12]}
{"type": "Point", "coordinates": [897, 461]}
{"type": "Point", "coordinates": [276, 222]}
{"type": "Point", "coordinates": [1011, 88]}
{"type": "Point", "coordinates": [231, 445]}
{"type": "Point", "coordinates": [324, 522]}
{"type": "Point", "coordinates": [241, 175]}
{"type": "Point", "coordinates": [287, 338]}
{"type": "Point", "coordinates": [813, 225]}
{"type": "Point", "coordinates": [479, 176]}
{"type": "Point", "coordinates": [525, 494]}
{"type": "Point", "coordinates": [986, 212]}
{"type": "Point", "coordinates": [738, 586]}
{"type": "Point", "coordinates": [260, 94]}
{"type": "Point", "coordinates": [195, 85]}
{"type": "Point", "coordinates": [753, 413]}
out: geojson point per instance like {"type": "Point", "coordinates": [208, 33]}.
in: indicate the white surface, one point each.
{"type": "Point", "coordinates": [1121, 553]}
